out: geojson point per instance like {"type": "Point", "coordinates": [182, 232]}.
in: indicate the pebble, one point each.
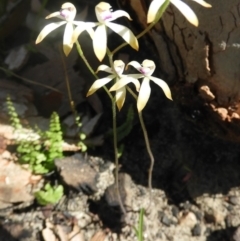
{"type": "Point", "coordinates": [207, 232]}
{"type": "Point", "coordinates": [160, 215]}
{"type": "Point", "coordinates": [236, 235]}
{"type": "Point", "coordinates": [234, 200]}
{"type": "Point", "coordinates": [175, 211]}
{"type": "Point", "coordinates": [197, 230]}
{"type": "Point", "coordinates": [186, 205]}
{"type": "Point", "coordinates": [198, 215]}
{"type": "Point", "coordinates": [187, 219]}
{"type": "Point", "coordinates": [166, 221]}
{"type": "Point", "coordinates": [230, 207]}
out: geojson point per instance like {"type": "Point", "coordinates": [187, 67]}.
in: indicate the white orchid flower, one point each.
{"type": "Point", "coordinates": [182, 7]}
{"type": "Point", "coordinates": [146, 70]}
{"type": "Point", "coordinates": [114, 74]}
{"type": "Point", "coordinates": [67, 13]}
{"type": "Point", "coordinates": [105, 16]}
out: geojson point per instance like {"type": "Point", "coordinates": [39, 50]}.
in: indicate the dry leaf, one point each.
{"type": "Point", "coordinates": [99, 236]}
{"type": "Point", "coordinates": [48, 235]}
{"type": "Point", "coordinates": [76, 234]}
{"type": "Point", "coordinates": [16, 58]}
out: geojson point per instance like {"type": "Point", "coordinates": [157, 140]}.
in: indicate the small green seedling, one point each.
{"type": "Point", "coordinates": [49, 195]}
{"type": "Point", "coordinates": [139, 229]}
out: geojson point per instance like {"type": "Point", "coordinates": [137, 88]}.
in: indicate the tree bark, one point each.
{"type": "Point", "coordinates": [206, 57]}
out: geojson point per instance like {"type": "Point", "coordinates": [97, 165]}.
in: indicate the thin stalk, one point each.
{"type": "Point", "coordinates": [147, 143]}
{"type": "Point", "coordinates": [116, 156]}
{"type": "Point", "coordinates": [7, 71]}
{"type": "Point", "coordinates": [110, 57]}
{"type": "Point", "coordinates": [81, 54]}
{"type": "Point", "coordinates": [71, 102]}
{"type": "Point", "coordinates": [148, 28]}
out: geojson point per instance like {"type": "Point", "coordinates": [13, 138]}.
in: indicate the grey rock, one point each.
{"type": "Point", "coordinates": [196, 231]}
{"type": "Point", "coordinates": [236, 235]}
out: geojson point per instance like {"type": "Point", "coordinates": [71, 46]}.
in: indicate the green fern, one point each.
{"type": "Point", "coordinates": [14, 119]}
{"type": "Point", "coordinates": [39, 153]}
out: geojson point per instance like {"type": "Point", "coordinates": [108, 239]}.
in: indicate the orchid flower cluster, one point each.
{"type": "Point", "coordinates": [105, 16]}
{"type": "Point", "coordinates": [98, 33]}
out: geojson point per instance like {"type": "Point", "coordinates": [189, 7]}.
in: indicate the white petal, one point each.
{"type": "Point", "coordinates": [68, 11]}
{"type": "Point", "coordinates": [163, 85]}
{"type": "Point", "coordinates": [105, 68]}
{"type": "Point", "coordinates": [186, 11]}
{"type": "Point", "coordinates": [90, 31]}
{"type": "Point", "coordinates": [120, 97]}
{"type": "Point", "coordinates": [100, 42]}
{"type": "Point", "coordinates": [77, 31]}
{"type": "Point", "coordinates": [135, 64]}
{"type": "Point", "coordinates": [125, 33]}
{"type": "Point", "coordinates": [99, 83]}
{"type": "Point", "coordinates": [136, 76]}
{"type": "Point", "coordinates": [124, 81]}
{"type": "Point", "coordinates": [148, 67]}
{"type": "Point", "coordinates": [144, 94]}
{"type": "Point", "coordinates": [89, 28]}
{"type": "Point", "coordinates": [47, 29]}
{"type": "Point", "coordinates": [119, 66]}
{"type": "Point", "coordinates": [55, 14]}
{"type": "Point", "coordinates": [203, 3]}
{"type": "Point", "coordinates": [82, 26]}
{"type": "Point", "coordinates": [118, 14]}
{"type": "Point", "coordinates": [101, 9]}
{"type": "Point", "coordinates": [67, 39]}
{"type": "Point", "coordinates": [153, 9]}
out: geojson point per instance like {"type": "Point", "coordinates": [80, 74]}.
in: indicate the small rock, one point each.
{"type": "Point", "coordinates": [230, 207]}
{"type": "Point", "coordinates": [209, 218]}
{"type": "Point", "coordinates": [207, 231]}
{"type": "Point", "coordinates": [234, 200]}
{"type": "Point", "coordinates": [77, 172]}
{"type": "Point", "coordinates": [232, 220]}
{"type": "Point", "coordinates": [236, 235]}
{"type": "Point", "coordinates": [235, 116]}
{"type": "Point", "coordinates": [198, 215]}
{"type": "Point", "coordinates": [166, 221]}
{"type": "Point", "coordinates": [197, 230]}
{"type": "Point", "coordinates": [222, 112]}
{"type": "Point", "coordinates": [187, 219]}
{"type": "Point", "coordinates": [175, 211]}
{"type": "Point", "coordinates": [160, 215]}
{"type": "Point", "coordinates": [186, 205]}
{"type": "Point", "coordinates": [111, 196]}
{"type": "Point", "coordinates": [206, 93]}
{"type": "Point", "coordinates": [228, 221]}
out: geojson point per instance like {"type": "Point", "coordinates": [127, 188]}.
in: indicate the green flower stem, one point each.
{"type": "Point", "coordinates": [9, 72]}
{"type": "Point", "coordinates": [80, 52]}
{"type": "Point", "coordinates": [147, 143]}
{"type": "Point", "coordinates": [72, 104]}
{"type": "Point", "coordinates": [116, 155]}
{"type": "Point", "coordinates": [110, 57]}
{"type": "Point", "coordinates": [150, 26]}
